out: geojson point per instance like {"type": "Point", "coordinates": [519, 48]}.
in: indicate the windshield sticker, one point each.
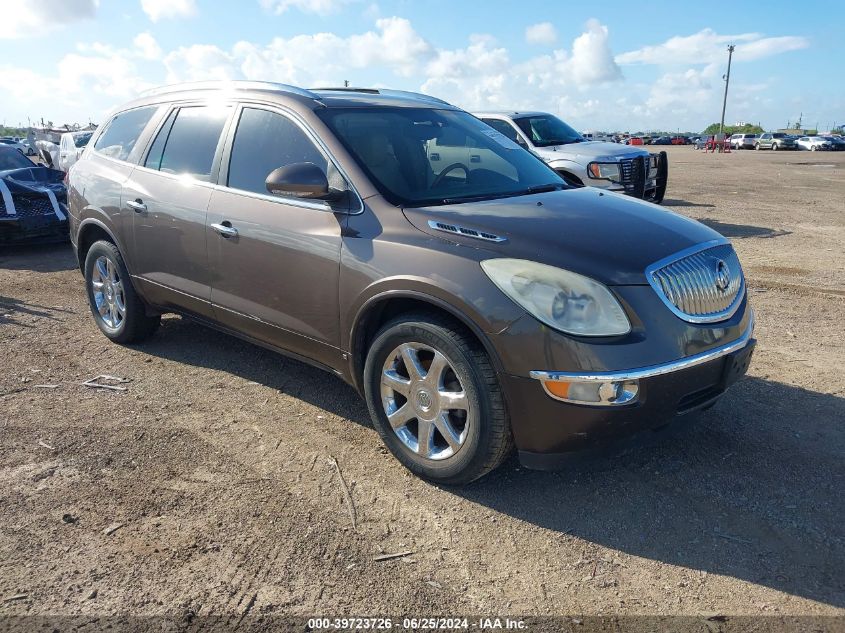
{"type": "Point", "coordinates": [500, 138]}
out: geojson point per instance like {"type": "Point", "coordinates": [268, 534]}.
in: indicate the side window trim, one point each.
{"type": "Point", "coordinates": [167, 122]}
{"type": "Point", "coordinates": [226, 155]}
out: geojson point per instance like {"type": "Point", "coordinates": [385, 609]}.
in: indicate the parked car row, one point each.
{"type": "Point", "coordinates": [20, 144]}
{"type": "Point", "coordinates": [782, 141]}
{"type": "Point", "coordinates": [469, 292]}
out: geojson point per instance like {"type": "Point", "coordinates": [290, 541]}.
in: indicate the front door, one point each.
{"type": "Point", "coordinates": [168, 196]}
{"type": "Point", "coordinates": [275, 261]}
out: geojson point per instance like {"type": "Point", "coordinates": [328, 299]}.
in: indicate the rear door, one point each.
{"type": "Point", "coordinates": [275, 262]}
{"type": "Point", "coordinates": [167, 195]}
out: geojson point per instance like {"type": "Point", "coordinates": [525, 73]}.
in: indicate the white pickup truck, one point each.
{"type": "Point", "coordinates": [622, 168]}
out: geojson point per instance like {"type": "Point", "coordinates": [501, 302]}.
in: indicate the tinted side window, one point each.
{"type": "Point", "coordinates": [122, 132]}
{"type": "Point", "coordinates": [504, 127]}
{"type": "Point", "coordinates": [265, 141]}
{"type": "Point", "coordinates": [191, 142]}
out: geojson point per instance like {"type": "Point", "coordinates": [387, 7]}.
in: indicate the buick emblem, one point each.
{"type": "Point", "coordinates": [723, 275]}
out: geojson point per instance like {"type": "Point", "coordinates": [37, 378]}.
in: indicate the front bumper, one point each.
{"type": "Point", "coordinates": [549, 433]}
{"type": "Point", "coordinates": [32, 230]}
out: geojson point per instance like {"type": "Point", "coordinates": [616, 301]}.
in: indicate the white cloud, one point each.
{"type": "Point", "coordinates": [147, 46]}
{"type": "Point", "coordinates": [306, 59]}
{"type": "Point", "coordinates": [30, 18]}
{"type": "Point", "coordinates": [320, 7]}
{"type": "Point", "coordinates": [85, 83]}
{"type": "Point", "coordinates": [542, 33]}
{"type": "Point", "coordinates": [482, 76]}
{"type": "Point", "coordinates": [164, 9]}
{"type": "Point", "coordinates": [582, 82]}
{"type": "Point", "coordinates": [707, 46]}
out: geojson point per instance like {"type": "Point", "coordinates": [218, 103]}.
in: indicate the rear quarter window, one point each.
{"type": "Point", "coordinates": [122, 132]}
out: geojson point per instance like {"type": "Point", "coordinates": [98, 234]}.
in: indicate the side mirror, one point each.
{"type": "Point", "coordinates": [300, 180]}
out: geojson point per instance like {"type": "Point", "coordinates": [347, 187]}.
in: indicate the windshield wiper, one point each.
{"type": "Point", "coordinates": [558, 141]}
{"type": "Point", "coordinates": [504, 194]}
{"type": "Point", "coordinates": [485, 196]}
{"type": "Point", "coordinates": [544, 188]}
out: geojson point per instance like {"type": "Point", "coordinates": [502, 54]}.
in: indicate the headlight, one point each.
{"type": "Point", "coordinates": [561, 299]}
{"type": "Point", "coordinates": [604, 171]}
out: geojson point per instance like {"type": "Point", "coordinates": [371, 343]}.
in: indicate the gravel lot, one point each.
{"type": "Point", "coordinates": [215, 465]}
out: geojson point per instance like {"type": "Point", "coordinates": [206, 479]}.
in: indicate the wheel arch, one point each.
{"type": "Point", "coordinates": [388, 305]}
{"type": "Point", "coordinates": [92, 230]}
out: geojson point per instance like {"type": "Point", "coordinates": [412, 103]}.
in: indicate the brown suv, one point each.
{"type": "Point", "coordinates": [476, 302]}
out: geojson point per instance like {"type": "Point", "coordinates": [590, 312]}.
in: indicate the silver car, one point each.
{"type": "Point", "coordinates": [814, 143]}
{"type": "Point", "coordinates": [743, 141]}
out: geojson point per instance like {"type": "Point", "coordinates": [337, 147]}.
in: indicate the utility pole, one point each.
{"type": "Point", "coordinates": [345, 83]}
{"type": "Point", "coordinates": [727, 79]}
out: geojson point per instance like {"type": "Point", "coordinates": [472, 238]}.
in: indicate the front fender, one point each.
{"type": "Point", "coordinates": [572, 167]}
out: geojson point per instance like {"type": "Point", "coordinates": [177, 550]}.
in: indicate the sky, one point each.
{"type": "Point", "coordinates": [601, 66]}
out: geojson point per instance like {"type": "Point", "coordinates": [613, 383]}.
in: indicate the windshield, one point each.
{"type": "Point", "coordinates": [81, 140]}
{"type": "Point", "coordinates": [545, 130]}
{"type": "Point", "coordinates": [423, 156]}
{"type": "Point", "coordinates": [13, 159]}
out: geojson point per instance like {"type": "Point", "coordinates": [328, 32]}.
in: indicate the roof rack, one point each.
{"type": "Point", "coordinates": [231, 84]}
{"type": "Point", "coordinates": [372, 91]}
{"type": "Point", "coordinates": [418, 95]}
{"type": "Point", "coordinates": [383, 91]}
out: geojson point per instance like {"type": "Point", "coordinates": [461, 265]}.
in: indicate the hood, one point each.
{"type": "Point", "coordinates": [591, 151]}
{"type": "Point", "coordinates": [34, 180]}
{"type": "Point", "coordinates": [609, 237]}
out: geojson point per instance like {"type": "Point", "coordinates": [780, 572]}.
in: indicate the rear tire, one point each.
{"type": "Point", "coordinates": [452, 427]}
{"type": "Point", "coordinates": [117, 309]}
{"type": "Point", "coordinates": [774, 147]}
{"type": "Point", "coordinates": [757, 146]}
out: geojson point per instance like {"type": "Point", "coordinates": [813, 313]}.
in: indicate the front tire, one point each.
{"type": "Point", "coordinates": [435, 399]}
{"type": "Point", "coordinates": [118, 310]}
{"type": "Point", "coordinates": [774, 147]}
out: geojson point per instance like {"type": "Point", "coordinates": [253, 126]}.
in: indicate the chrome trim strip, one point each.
{"type": "Point", "coordinates": [456, 229]}
{"type": "Point", "coordinates": [56, 208]}
{"type": "Point", "coordinates": [8, 201]}
{"type": "Point", "coordinates": [692, 318]}
{"type": "Point", "coordinates": [652, 370]}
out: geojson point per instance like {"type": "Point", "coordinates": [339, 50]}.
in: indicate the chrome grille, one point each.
{"type": "Point", "coordinates": [700, 285]}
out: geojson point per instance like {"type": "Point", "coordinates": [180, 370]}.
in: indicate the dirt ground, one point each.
{"type": "Point", "coordinates": [208, 488]}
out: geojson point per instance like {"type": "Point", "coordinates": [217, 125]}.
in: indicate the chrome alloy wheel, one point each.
{"type": "Point", "coordinates": [425, 401]}
{"type": "Point", "coordinates": [109, 295]}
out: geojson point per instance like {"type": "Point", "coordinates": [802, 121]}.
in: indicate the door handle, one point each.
{"type": "Point", "coordinates": [225, 229]}
{"type": "Point", "coordinates": [136, 205]}
{"type": "Point", "coordinates": [475, 158]}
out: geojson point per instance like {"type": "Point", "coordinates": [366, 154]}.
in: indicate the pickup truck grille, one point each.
{"type": "Point", "coordinates": [637, 171]}
{"type": "Point", "coordinates": [634, 176]}
{"type": "Point", "coordinates": [701, 287]}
